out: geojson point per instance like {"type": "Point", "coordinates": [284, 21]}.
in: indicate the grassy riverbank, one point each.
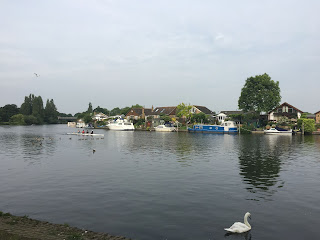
{"type": "Point", "coordinates": [25, 228]}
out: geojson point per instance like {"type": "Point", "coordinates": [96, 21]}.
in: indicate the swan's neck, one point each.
{"type": "Point", "coordinates": [246, 221]}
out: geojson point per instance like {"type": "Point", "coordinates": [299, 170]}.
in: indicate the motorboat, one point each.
{"type": "Point", "coordinates": [164, 128]}
{"type": "Point", "coordinates": [121, 125]}
{"type": "Point", "coordinates": [225, 127]}
{"type": "Point", "coordinates": [278, 131]}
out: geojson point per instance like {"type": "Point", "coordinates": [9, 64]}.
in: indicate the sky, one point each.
{"type": "Point", "coordinates": [117, 53]}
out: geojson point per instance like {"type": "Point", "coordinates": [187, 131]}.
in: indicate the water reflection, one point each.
{"type": "Point", "coordinates": [27, 142]}
{"type": "Point", "coordinates": [246, 235]}
{"type": "Point", "coordinates": [260, 163]}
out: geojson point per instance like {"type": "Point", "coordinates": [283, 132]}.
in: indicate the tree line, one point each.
{"type": "Point", "coordinates": [32, 111]}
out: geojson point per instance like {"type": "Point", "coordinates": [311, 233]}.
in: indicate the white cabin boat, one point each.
{"type": "Point", "coordinates": [121, 125]}
{"type": "Point", "coordinates": [164, 128]}
{"type": "Point", "coordinates": [278, 131]}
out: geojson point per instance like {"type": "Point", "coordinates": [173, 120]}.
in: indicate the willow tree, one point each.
{"type": "Point", "coordinates": [259, 94]}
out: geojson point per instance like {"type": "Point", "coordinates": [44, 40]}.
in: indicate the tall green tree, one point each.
{"type": "Point", "coordinates": [50, 112]}
{"type": "Point", "coordinates": [37, 109]}
{"type": "Point", "coordinates": [26, 106]}
{"type": "Point", "coordinates": [90, 110]}
{"type": "Point", "coordinates": [259, 94]}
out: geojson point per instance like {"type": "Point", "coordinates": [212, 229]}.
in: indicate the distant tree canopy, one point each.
{"type": "Point", "coordinates": [101, 110]}
{"type": "Point", "coordinates": [7, 111]}
{"type": "Point", "coordinates": [199, 118]}
{"type": "Point", "coordinates": [259, 94]}
{"type": "Point", "coordinates": [30, 112]}
{"type": "Point", "coordinates": [115, 111]}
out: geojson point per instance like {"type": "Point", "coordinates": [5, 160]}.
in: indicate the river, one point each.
{"type": "Point", "coordinates": [164, 186]}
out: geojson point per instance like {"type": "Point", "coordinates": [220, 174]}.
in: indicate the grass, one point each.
{"type": "Point", "coordinates": [10, 236]}
{"type": "Point", "coordinates": [74, 236]}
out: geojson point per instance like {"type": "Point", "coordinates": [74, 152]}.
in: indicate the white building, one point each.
{"type": "Point", "coordinates": [100, 117]}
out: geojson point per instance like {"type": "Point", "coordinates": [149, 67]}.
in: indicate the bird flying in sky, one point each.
{"type": "Point", "coordinates": [37, 75]}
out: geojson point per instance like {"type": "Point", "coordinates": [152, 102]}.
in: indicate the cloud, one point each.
{"type": "Point", "coordinates": [220, 36]}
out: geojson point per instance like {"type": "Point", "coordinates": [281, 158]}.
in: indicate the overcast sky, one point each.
{"type": "Point", "coordinates": [161, 53]}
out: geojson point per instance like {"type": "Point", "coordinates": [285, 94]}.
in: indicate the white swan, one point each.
{"type": "Point", "coordinates": [239, 227]}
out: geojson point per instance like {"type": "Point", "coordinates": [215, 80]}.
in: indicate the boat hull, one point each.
{"type": "Point", "coordinates": [121, 128]}
{"type": "Point", "coordinates": [213, 129]}
{"type": "Point", "coordinates": [163, 128]}
{"type": "Point", "coordinates": [278, 132]}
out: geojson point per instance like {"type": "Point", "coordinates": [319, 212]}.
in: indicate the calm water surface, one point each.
{"type": "Point", "coordinates": [148, 185]}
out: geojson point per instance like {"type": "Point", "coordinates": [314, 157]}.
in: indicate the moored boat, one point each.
{"type": "Point", "coordinates": [225, 127]}
{"type": "Point", "coordinates": [278, 131]}
{"type": "Point", "coordinates": [164, 128]}
{"type": "Point", "coordinates": [121, 125]}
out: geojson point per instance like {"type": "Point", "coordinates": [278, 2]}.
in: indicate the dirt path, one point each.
{"type": "Point", "coordinates": [24, 228]}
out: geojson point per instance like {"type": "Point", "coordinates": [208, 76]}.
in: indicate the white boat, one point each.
{"type": "Point", "coordinates": [164, 128]}
{"type": "Point", "coordinates": [121, 125]}
{"type": "Point", "coordinates": [278, 131]}
{"type": "Point", "coordinates": [86, 134]}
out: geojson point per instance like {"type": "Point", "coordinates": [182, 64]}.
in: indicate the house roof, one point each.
{"type": "Point", "coordinates": [287, 104]}
{"type": "Point", "coordinates": [138, 111]}
{"type": "Point", "coordinates": [311, 115]}
{"type": "Point", "coordinates": [231, 112]}
{"type": "Point", "coordinates": [203, 109]}
{"type": "Point", "coordinates": [317, 112]}
{"type": "Point", "coordinates": [164, 110]}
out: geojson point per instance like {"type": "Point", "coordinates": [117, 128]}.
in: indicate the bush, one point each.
{"type": "Point", "coordinates": [309, 125]}
{"type": "Point", "coordinates": [17, 119]}
{"type": "Point", "coordinates": [30, 119]}
{"type": "Point", "coordinates": [245, 130]}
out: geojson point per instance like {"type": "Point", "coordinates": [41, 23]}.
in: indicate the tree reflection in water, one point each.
{"type": "Point", "coordinates": [260, 163]}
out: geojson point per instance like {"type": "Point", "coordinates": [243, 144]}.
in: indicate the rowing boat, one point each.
{"type": "Point", "coordinates": [85, 134]}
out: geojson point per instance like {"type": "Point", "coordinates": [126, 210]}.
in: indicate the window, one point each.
{"type": "Point", "coordinates": [290, 110]}
{"type": "Point", "coordinates": [279, 110]}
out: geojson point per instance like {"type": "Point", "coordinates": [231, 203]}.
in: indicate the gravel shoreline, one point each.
{"type": "Point", "coordinates": [25, 228]}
